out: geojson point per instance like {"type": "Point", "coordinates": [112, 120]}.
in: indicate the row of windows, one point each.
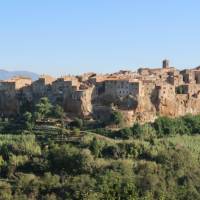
{"type": "Point", "coordinates": [112, 86]}
{"type": "Point", "coordinates": [123, 92]}
{"type": "Point", "coordinates": [77, 96]}
{"type": "Point", "coordinates": [126, 92]}
{"type": "Point", "coordinates": [121, 84]}
{"type": "Point", "coordinates": [120, 87]}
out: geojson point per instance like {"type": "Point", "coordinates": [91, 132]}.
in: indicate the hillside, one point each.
{"type": "Point", "coordinates": [44, 156]}
{"type": "Point", "coordinates": [4, 74]}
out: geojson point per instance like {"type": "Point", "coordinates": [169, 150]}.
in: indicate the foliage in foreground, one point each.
{"type": "Point", "coordinates": [152, 161]}
{"type": "Point", "coordinates": [99, 168]}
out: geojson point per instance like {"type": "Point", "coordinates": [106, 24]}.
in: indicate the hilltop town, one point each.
{"type": "Point", "coordinates": [140, 96]}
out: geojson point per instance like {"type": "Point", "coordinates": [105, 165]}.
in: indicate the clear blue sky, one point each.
{"type": "Point", "coordinates": [75, 36]}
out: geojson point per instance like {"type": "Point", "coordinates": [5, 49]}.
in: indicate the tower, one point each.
{"type": "Point", "coordinates": [165, 64]}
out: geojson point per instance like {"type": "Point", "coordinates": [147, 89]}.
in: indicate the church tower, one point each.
{"type": "Point", "coordinates": [165, 64]}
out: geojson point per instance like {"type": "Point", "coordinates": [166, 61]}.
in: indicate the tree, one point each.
{"type": "Point", "coordinates": [5, 191]}
{"type": "Point", "coordinates": [96, 147]}
{"type": "Point", "coordinates": [192, 123]}
{"type": "Point", "coordinates": [164, 126]}
{"type": "Point", "coordinates": [81, 187]}
{"type": "Point", "coordinates": [137, 129]}
{"type": "Point", "coordinates": [28, 184]}
{"type": "Point", "coordinates": [112, 185]}
{"type": "Point", "coordinates": [43, 109]}
{"type": "Point", "coordinates": [116, 118]}
{"type": "Point", "coordinates": [58, 112]}
{"type": "Point", "coordinates": [143, 131]}
{"type": "Point", "coordinates": [63, 157]}
{"type": "Point", "coordinates": [125, 133]}
{"type": "Point", "coordinates": [28, 121]}
{"type": "Point", "coordinates": [170, 126]}
{"type": "Point", "coordinates": [78, 123]}
{"type": "Point", "coordinates": [85, 161]}
{"type": "Point", "coordinates": [50, 182]}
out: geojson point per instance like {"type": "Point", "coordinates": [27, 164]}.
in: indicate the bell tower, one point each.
{"type": "Point", "coordinates": [165, 64]}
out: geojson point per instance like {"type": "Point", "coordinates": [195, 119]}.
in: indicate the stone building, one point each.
{"type": "Point", "coordinates": [9, 94]}
{"type": "Point", "coordinates": [140, 95]}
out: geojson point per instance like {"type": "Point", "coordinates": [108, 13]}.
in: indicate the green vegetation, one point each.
{"type": "Point", "coordinates": [116, 118]}
{"type": "Point", "coordinates": [28, 121]}
{"type": "Point", "coordinates": [43, 109]}
{"type": "Point", "coordinates": [41, 159]}
{"type": "Point", "coordinates": [180, 90]}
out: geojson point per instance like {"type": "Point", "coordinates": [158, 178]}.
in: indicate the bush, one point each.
{"type": "Point", "coordinates": [192, 123]}
{"type": "Point", "coordinates": [145, 131]}
{"type": "Point", "coordinates": [5, 191]}
{"type": "Point", "coordinates": [63, 158]}
{"type": "Point", "coordinates": [78, 123]}
{"type": "Point", "coordinates": [188, 124]}
{"type": "Point", "coordinates": [28, 121]}
{"type": "Point", "coordinates": [50, 182]}
{"type": "Point", "coordinates": [70, 159]}
{"type": "Point", "coordinates": [170, 126]}
{"type": "Point", "coordinates": [111, 151]}
{"type": "Point", "coordinates": [112, 185]}
{"type": "Point", "coordinates": [80, 187]}
{"type": "Point", "coordinates": [96, 147]}
{"type": "Point", "coordinates": [125, 133]}
{"type": "Point", "coordinates": [105, 132]}
{"type": "Point", "coordinates": [116, 118]}
{"type": "Point", "coordinates": [58, 112]}
{"type": "Point", "coordinates": [164, 126]}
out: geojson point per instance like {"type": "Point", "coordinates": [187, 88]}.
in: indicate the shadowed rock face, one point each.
{"type": "Point", "coordinates": [141, 96]}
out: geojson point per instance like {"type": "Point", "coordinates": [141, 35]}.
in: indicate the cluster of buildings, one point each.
{"type": "Point", "coordinates": [140, 96]}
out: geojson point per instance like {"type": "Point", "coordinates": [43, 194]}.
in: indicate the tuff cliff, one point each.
{"type": "Point", "coordinates": [141, 96]}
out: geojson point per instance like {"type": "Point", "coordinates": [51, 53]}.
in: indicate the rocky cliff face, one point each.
{"type": "Point", "coordinates": [141, 96]}
{"type": "Point", "coordinates": [178, 106]}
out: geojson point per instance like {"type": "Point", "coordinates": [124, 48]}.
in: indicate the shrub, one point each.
{"type": "Point", "coordinates": [58, 112]}
{"type": "Point", "coordinates": [164, 126]}
{"type": "Point", "coordinates": [116, 118]}
{"type": "Point", "coordinates": [5, 191]}
{"type": "Point", "coordinates": [28, 121]}
{"type": "Point", "coordinates": [112, 185]}
{"type": "Point", "coordinates": [145, 131]}
{"type": "Point", "coordinates": [96, 147]}
{"type": "Point", "coordinates": [50, 182]}
{"type": "Point", "coordinates": [70, 159]}
{"type": "Point", "coordinates": [192, 123]}
{"type": "Point", "coordinates": [125, 133]}
{"type": "Point", "coordinates": [80, 187]}
{"type": "Point", "coordinates": [78, 123]}
{"type": "Point", "coordinates": [111, 151]}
